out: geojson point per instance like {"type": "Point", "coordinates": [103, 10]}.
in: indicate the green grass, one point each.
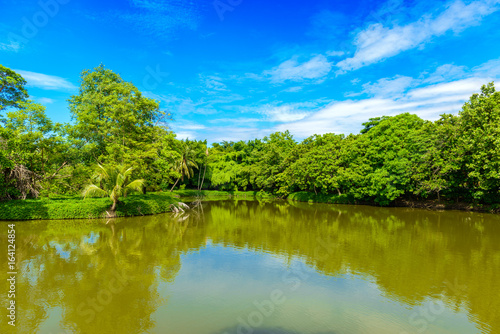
{"type": "Point", "coordinates": [304, 196]}
{"type": "Point", "coordinates": [66, 207]}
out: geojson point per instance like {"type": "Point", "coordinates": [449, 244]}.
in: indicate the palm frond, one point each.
{"type": "Point", "coordinates": [93, 191]}
{"type": "Point", "coordinates": [136, 185]}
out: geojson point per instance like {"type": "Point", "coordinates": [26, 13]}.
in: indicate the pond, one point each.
{"type": "Point", "coordinates": [241, 267]}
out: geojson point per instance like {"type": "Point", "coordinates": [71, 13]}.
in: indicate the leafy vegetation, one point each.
{"type": "Point", "coordinates": [403, 157]}
{"type": "Point", "coordinates": [73, 207]}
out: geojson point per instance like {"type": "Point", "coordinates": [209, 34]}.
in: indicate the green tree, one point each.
{"type": "Point", "coordinates": [439, 168]}
{"type": "Point", "coordinates": [113, 181]}
{"type": "Point", "coordinates": [185, 164]}
{"type": "Point", "coordinates": [270, 162]}
{"type": "Point", "coordinates": [27, 139]}
{"type": "Point", "coordinates": [320, 165]}
{"type": "Point", "coordinates": [383, 160]}
{"type": "Point", "coordinates": [12, 90]}
{"type": "Point", "coordinates": [479, 144]}
{"type": "Point", "coordinates": [115, 121]}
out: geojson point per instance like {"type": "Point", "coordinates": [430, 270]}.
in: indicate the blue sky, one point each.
{"type": "Point", "coordinates": [242, 69]}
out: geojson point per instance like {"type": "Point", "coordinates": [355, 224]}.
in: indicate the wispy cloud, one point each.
{"type": "Point", "coordinates": [392, 96]}
{"type": "Point", "coordinates": [186, 129]}
{"type": "Point", "coordinates": [12, 46]}
{"type": "Point", "coordinates": [461, 88]}
{"type": "Point", "coordinates": [378, 42]}
{"type": "Point", "coordinates": [388, 86]}
{"type": "Point", "coordinates": [189, 126]}
{"type": "Point", "coordinates": [44, 100]}
{"type": "Point", "coordinates": [315, 68]}
{"type": "Point", "coordinates": [490, 68]}
{"type": "Point", "coordinates": [185, 135]}
{"type": "Point", "coordinates": [293, 89]}
{"type": "Point", "coordinates": [335, 53]}
{"type": "Point", "coordinates": [284, 113]}
{"type": "Point", "coordinates": [47, 82]}
{"type": "Point", "coordinates": [213, 83]}
{"type": "Point", "coordinates": [162, 18]}
{"type": "Point", "coordinates": [446, 72]}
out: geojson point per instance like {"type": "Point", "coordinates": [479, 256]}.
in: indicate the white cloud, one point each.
{"type": "Point", "coordinates": [392, 97]}
{"type": "Point", "coordinates": [335, 53]}
{"type": "Point", "coordinates": [213, 83]}
{"type": "Point", "coordinates": [446, 72]}
{"type": "Point", "coordinates": [232, 133]}
{"type": "Point", "coordinates": [347, 116]}
{"type": "Point", "coordinates": [490, 68]}
{"type": "Point", "coordinates": [315, 68]}
{"type": "Point", "coordinates": [44, 100]}
{"type": "Point", "coordinates": [12, 46]}
{"type": "Point", "coordinates": [294, 89]}
{"type": "Point", "coordinates": [463, 87]}
{"type": "Point", "coordinates": [388, 86]}
{"type": "Point", "coordinates": [185, 135]}
{"type": "Point", "coordinates": [237, 120]}
{"type": "Point", "coordinates": [44, 81]}
{"type": "Point", "coordinates": [188, 126]}
{"type": "Point", "coordinates": [285, 113]}
{"type": "Point", "coordinates": [377, 42]}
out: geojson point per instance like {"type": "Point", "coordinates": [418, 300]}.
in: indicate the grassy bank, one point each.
{"type": "Point", "coordinates": [78, 208]}
{"type": "Point", "coordinates": [74, 207]}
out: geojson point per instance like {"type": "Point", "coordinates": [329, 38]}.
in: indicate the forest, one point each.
{"type": "Point", "coordinates": [116, 129]}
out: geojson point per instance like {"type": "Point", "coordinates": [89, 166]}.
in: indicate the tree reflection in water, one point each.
{"type": "Point", "coordinates": [106, 277]}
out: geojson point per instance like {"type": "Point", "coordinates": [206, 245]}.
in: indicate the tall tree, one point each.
{"type": "Point", "coordinates": [26, 138]}
{"type": "Point", "coordinates": [186, 163]}
{"type": "Point", "coordinates": [12, 90]}
{"type": "Point", "coordinates": [384, 158]}
{"type": "Point", "coordinates": [479, 143]}
{"type": "Point", "coordinates": [114, 119]}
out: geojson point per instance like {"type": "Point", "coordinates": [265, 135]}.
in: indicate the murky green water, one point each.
{"type": "Point", "coordinates": [249, 267]}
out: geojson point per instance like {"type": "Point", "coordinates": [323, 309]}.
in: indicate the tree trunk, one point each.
{"type": "Point", "coordinates": [113, 207]}
{"type": "Point", "coordinates": [199, 174]}
{"type": "Point", "coordinates": [203, 180]}
{"type": "Point", "coordinates": [175, 184]}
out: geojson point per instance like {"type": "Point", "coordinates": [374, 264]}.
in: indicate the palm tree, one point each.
{"type": "Point", "coordinates": [206, 163]}
{"type": "Point", "coordinates": [113, 181]}
{"type": "Point", "coordinates": [185, 165]}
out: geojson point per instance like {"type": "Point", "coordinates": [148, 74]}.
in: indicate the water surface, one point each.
{"type": "Point", "coordinates": [248, 267]}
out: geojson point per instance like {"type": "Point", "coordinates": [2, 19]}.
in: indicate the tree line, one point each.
{"type": "Point", "coordinates": [456, 157]}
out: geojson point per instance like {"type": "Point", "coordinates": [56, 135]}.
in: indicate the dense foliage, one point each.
{"type": "Point", "coordinates": [455, 158]}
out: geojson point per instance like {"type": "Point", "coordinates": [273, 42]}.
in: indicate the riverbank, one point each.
{"type": "Point", "coordinates": [304, 196]}
{"type": "Point", "coordinates": [74, 207]}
